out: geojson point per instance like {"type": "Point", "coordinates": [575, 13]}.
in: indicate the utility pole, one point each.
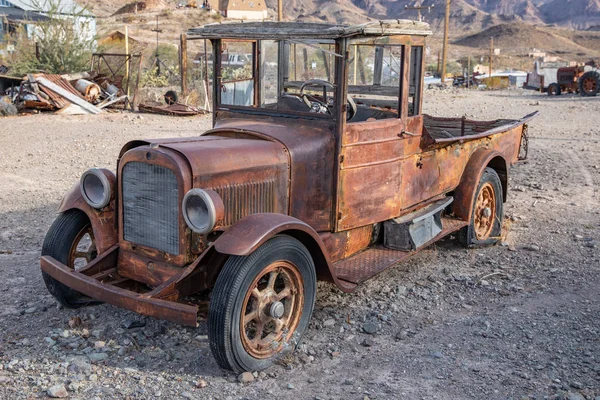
{"type": "Point", "coordinates": [491, 59]}
{"type": "Point", "coordinates": [279, 10]}
{"type": "Point", "coordinates": [419, 8]}
{"type": "Point", "coordinates": [468, 71]}
{"type": "Point", "coordinates": [445, 48]}
{"type": "Point", "coordinates": [157, 59]}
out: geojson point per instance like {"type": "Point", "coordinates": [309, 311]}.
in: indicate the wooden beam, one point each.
{"type": "Point", "coordinates": [183, 57]}
{"type": "Point", "coordinates": [445, 48]}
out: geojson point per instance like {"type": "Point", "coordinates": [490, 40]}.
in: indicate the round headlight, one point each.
{"type": "Point", "coordinates": [96, 187]}
{"type": "Point", "coordinates": [201, 210]}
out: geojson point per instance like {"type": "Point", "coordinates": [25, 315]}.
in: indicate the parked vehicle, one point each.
{"type": "Point", "coordinates": [335, 176]}
{"type": "Point", "coordinates": [582, 79]}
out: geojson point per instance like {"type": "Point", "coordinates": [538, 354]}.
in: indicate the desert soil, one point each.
{"type": "Point", "coordinates": [519, 320]}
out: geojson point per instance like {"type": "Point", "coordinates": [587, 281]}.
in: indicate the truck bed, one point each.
{"type": "Point", "coordinates": [445, 130]}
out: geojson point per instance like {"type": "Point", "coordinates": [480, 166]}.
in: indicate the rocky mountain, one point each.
{"type": "Point", "coordinates": [468, 15]}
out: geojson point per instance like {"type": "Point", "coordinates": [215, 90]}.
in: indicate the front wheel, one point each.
{"type": "Point", "coordinates": [69, 240]}
{"type": "Point", "coordinates": [487, 212]}
{"type": "Point", "coordinates": [261, 305]}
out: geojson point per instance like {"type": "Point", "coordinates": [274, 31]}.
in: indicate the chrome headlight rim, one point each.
{"type": "Point", "coordinates": [211, 211]}
{"type": "Point", "coordinates": [91, 193]}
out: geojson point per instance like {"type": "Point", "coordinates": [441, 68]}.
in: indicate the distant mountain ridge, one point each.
{"type": "Point", "coordinates": [469, 15]}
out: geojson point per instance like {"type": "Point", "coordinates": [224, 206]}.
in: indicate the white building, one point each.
{"type": "Point", "coordinates": [26, 13]}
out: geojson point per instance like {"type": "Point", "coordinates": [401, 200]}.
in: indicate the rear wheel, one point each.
{"type": "Point", "coordinates": [69, 240]}
{"type": "Point", "coordinates": [261, 305]}
{"type": "Point", "coordinates": [554, 89]}
{"type": "Point", "coordinates": [487, 212]}
{"type": "Point", "coordinates": [588, 83]}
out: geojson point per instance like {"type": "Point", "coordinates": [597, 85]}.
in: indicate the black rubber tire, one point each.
{"type": "Point", "coordinates": [589, 75]}
{"type": "Point", "coordinates": [466, 236]}
{"type": "Point", "coordinates": [554, 89]}
{"type": "Point", "coordinates": [171, 97]}
{"type": "Point", "coordinates": [57, 244]}
{"type": "Point", "coordinates": [228, 295]}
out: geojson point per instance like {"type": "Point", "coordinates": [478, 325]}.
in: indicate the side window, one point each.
{"type": "Point", "coordinates": [374, 78]}
{"type": "Point", "coordinates": [415, 79]}
{"type": "Point", "coordinates": [237, 82]}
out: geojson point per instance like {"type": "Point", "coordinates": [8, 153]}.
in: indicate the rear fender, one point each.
{"type": "Point", "coordinates": [467, 188]}
{"type": "Point", "coordinates": [103, 221]}
{"type": "Point", "coordinates": [249, 233]}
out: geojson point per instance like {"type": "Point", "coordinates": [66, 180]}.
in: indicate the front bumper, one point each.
{"type": "Point", "coordinates": [88, 281]}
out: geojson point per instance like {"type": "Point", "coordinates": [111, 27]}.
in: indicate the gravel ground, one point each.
{"type": "Point", "coordinates": [520, 320]}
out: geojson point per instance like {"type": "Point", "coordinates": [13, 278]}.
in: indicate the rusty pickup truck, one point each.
{"type": "Point", "coordinates": [320, 166]}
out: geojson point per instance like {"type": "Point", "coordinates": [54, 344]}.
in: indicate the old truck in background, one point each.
{"type": "Point", "coordinates": [583, 79]}
{"type": "Point", "coordinates": [322, 170]}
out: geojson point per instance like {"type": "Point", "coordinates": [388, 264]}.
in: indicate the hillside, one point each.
{"type": "Point", "coordinates": [517, 25]}
{"type": "Point", "coordinates": [465, 14]}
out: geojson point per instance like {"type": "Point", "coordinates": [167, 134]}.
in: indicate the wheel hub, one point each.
{"type": "Point", "coordinates": [277, 309]}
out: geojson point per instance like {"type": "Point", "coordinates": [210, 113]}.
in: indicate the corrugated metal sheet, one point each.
{"type": "Point", "coordinates": [57, 99]}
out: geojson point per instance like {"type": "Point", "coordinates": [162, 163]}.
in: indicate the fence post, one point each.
{"type": "Point", "coordinates": [183, 63]}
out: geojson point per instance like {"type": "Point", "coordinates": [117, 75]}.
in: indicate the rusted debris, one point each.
{"type": "Point", "coordinates": [176, 109]}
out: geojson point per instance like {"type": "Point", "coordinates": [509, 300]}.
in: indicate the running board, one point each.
{"type": "Point", "coordinates": [374, 260]}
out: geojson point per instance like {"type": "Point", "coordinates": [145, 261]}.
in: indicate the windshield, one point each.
{"type": "Point", "coordinates": [295, 77]}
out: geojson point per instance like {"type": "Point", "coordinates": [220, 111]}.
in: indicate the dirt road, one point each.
{"type": "Point", "coordinates": [519, 320]}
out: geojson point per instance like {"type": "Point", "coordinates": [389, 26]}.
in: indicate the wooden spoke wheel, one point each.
{"type": "Point", "coordinates": [484, 214]}
{"type": "Point", "coordinates": [272, 309]}
{"type": "Point", "coordinates": [261, 305]}
{"type": "Point", "coordinates": [83, 250]}
{"type": "Point", "coordinates": [485, 226]}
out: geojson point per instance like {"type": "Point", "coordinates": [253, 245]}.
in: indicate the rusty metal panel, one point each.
{"type": "Point", "coordinates": [343, 244]}
{"type": "Point", "coordinates": [242, 199]}
{"type": "Point", "coordinates": [370, 173]}
{"type": "Point", "coordinates": [172, 311]}
{"type": "Point", "coordinates": [57, 99]}
{"type": "Point", "coordinates": [370, 262]}
{"type": "Point", "coordinates": [311, 149]}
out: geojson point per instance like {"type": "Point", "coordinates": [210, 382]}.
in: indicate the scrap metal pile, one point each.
{"type": "Point", "coordinates": [87, 93]}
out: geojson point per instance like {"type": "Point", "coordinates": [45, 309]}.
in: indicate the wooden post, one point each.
{"type": "Point", "coordinates": [183, 63]}
{"type": "Point", "coordinates": [128, 59]}
{"type": "Point", "coordinates": [279, 10]}
{"type": "Point", "coordinates": [206, 81]}
{"type": "Point", "coordinates": [445, 48]}
{"type": "Point", "coordinates": [355, 61]}
{"type": "Point", "coordinates": [491, 60]}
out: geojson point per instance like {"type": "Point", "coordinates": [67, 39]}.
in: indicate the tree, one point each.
{"type": "Point", "coordinates": [63, 42]}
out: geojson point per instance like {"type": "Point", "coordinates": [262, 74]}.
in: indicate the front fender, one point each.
{"type": "Point", "coordinates": [467, 188]}
{"type": "Point", "coordinates": [103, 221]}
{"type": "Point", "coordinates": [249, 233]}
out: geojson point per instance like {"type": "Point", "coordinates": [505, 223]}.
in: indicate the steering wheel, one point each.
{"type": "Point", "coordinates": [322, 105]}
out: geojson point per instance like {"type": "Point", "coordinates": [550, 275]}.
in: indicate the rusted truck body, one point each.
{"type": "Point", "coordinates": [320, 166]}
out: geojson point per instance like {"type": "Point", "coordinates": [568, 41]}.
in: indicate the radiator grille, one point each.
{"type": "Point", "coordinates": [243, 199]}
{"type": "Point", "coordinates": [150, 206]}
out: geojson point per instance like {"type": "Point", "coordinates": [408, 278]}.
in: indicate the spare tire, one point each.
{"type": "Point", "coordinates": [588, 83]}
{"type": "Point", "coordinates": [171, 97]}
